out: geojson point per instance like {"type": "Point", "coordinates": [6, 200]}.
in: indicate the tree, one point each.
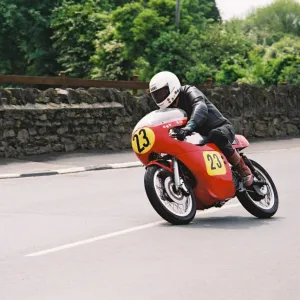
{"type": "Point", "coordinates": [269, 24]}
{"type": "Point", "coordinates": [150, 42]}
{"type": "Point", "coordinates": [25, 44]}
{"type": "Point", "coordinates": [198, 13]}
{"type": "Point", "coordinates": [274, 64]}
{"type": "Point", "coordinates": [108, 61]}
{"type": "Point", "coordinates": [75, 27]}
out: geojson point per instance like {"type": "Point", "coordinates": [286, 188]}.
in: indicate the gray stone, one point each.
{"type": "Point", "coordinates": [271, 130]}
{"type": "Point", "coordinates": [90, 121]}
{"type": "Point", "coordinates": [86, 115]}
{"type": "Point", "coordinates": [62, 130]}
{"type": "Point", "coordinates": [261, 129]}
{"type": "Point", "coordinates": [42, 130]}
{"type": "Point", "coordinates": [8, 133]}
{"type": "Point", "coordinates": [19, 95]}
{"type": "Point", "coordinates": [65, 140]}
{"type": "Point", "coordinates": [86, 97]}
{"type": "Point", "coordinates": [58, 147]}
{"type": "Point", "coordinates": [11, 152]}
{"type": "Point", "coordinates": [49, 95]}
{"type": "Point", "coordinates": [70, 147]}
{"type": "Point", "coordinates": [14, 101]}
{"type": "Point", "coordinates": [31, 95]}
{"type": "Point", "coordinates": [62, 95]}
{"type": "Point", "coordinates": [43, 117]}
{"type": "Point", "coordinates": [32, 131]}
{"type": "Point", "coordinates": [52, 138]}
{"type": "Point", "coordinates": [44, 149]}
{"type": "Point", "coordinates": [43, 100]}
{"type": "Point", "coordinates": [23, 136]}
{"type": "Point", "coordinates": [118, 121]}
{"type": "Point", "coordinates": [280, 132]}
{"type": "Point", "coordinates": [18, 116]}
{"type": "Point", "coordinates": [73, 96]}
{"type": "Point", "coordinates": [292, 129]}
{"type": "Point", "coordinates": [103, 94]}
{"type": "Point", "coordinates": [6, 96]}
{"type": "Point", "coordinates": [43, 123]}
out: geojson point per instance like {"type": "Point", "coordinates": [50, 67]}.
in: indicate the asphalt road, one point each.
{"type": "Point", "coordinates": [83, 236]}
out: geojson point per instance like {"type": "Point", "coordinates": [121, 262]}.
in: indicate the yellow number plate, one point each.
{"type": "Point", "coordinates": [143, 140]}
{"type": "Point", "coordinates": [214, 163]}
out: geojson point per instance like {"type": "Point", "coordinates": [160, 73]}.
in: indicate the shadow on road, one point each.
{"type": "Point", "coordinates": [230, 222]}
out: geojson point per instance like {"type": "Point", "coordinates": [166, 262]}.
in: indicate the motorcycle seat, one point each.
{"type": "Point", "coordinates": [203, 141]}
{"type": "Point", "coordinates": [197, 139]}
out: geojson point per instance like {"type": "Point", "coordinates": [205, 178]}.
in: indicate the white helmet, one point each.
{"type": "Point", "coordinates": [164, 88]}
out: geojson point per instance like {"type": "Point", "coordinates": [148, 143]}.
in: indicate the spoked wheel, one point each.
{"type": "Point", "coordinates": [262, 200]}
{"type": "Point", "coordinates": [176, 207]}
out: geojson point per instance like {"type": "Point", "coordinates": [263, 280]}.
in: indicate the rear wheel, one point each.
{"type": "Point", "coordinates": [263, 204]}
{"type": "Point", "coordinates": [177, 208]}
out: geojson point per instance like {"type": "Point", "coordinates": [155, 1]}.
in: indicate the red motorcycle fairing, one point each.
{"type": "Point", "coordinates": [207, 163]}
{"type": "Point", "coordinates": [240, 142]}
{"type": "Point", "coordinates": [157, 162]}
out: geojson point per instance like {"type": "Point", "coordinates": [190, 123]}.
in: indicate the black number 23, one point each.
{"type": "Point", "coordinates": [215, 161]}
{"type": "Point", "coordinates": [141, 140]}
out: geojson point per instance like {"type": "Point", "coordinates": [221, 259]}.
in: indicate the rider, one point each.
{"type": "Point", "coordinates": [203, 117]}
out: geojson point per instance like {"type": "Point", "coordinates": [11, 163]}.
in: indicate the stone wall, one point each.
{"type": "Point", "coordinates": [36, 122]}
{"type": "Point", "coordinates": [258, 112]}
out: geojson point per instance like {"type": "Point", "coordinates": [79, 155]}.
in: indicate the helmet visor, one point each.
{"type": "Point", "coordinates": [161, 94]}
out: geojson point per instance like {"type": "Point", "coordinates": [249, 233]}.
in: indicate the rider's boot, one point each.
{"type": "Point", "coordinates": [236, 160]}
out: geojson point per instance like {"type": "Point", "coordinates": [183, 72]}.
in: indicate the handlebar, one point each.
{"type": "Point", "coordinates": [173, 132]}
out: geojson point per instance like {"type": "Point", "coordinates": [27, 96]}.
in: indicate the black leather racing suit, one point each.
{"type": "Point", "coordinates": [206, 119]}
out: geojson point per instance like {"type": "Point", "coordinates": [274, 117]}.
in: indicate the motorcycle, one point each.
{"type": "Point", "coordinates": [185, 176]}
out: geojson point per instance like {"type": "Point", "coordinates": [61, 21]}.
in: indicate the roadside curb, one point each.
{"type": "Point", "coordinates": [125, 165]}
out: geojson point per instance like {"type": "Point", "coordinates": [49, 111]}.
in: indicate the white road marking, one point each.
{"type": "Point", "coordinates": [126, 165]}
{"type": "Point", "coordinates": [4, 176]}
{"type": "Point", "coordinates": [71, 170]}
{"type": "Point", "coordinates": [121, 232]}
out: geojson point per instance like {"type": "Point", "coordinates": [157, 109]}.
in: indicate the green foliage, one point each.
{"type": "Point", "coordinates": [75, 27]}
{"type": "Point", "coordinates": [167, 53]}
{"type": "Point", "coordinates": [108, 61]}
{"type": "Point", "coordinates": [150, 41]}
{"type": "Point", "coordinates": [116, 39]}
{"type": "Point", "coordinates": [198, 13]}
{"type": "Point", "coordinates": [199, 73]}
{"type": "Point", "coordinates": [275, 64]}
{"type": "Point", "coordinates": [231, 70]}
{"type": "Point", "coordinates": [221, 43]}
{"type": "Point", "coordinates": [270, 23]}
{"type": "Point", "coordinates": [25, 44]}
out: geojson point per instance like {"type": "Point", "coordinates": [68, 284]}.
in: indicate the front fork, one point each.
{"type": "Point", "coordinates": [176, 174]}
{"type": "Point", "coordinates": [179, 183]}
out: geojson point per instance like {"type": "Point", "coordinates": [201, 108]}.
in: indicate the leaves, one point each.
{"type": "Point", "coordinates": [75, 27]}
{"type": "Point", "coordinates": [116, 39]}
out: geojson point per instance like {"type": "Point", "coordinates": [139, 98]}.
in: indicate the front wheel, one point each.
{"type": "Point", "coordinates": [265, 206]}
{"type": "Point", "coordinates": [177, 208]}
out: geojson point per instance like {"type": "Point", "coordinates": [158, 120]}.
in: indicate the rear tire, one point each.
{"type": "Point", "coordinates": [254, 207]}
{"type": "Point", "coordinates": [156, 201]}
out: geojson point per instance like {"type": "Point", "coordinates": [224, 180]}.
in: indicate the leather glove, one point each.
{"type": "Point", "coordinates": [183, 132]}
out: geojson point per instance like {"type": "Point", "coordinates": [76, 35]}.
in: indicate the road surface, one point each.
{"type": "Point", "coordinates": [95, 236]}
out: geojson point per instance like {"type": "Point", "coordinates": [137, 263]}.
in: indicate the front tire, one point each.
{"type": "Point", "coordinates": [162, 199]}
{"type": "Point", "coordinates": [264, 208]}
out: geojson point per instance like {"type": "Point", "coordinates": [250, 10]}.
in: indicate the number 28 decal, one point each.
{"type": "Point", "coordinates": [143, 140]}
{"type": "Point", "coordinates": [214, 163]}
